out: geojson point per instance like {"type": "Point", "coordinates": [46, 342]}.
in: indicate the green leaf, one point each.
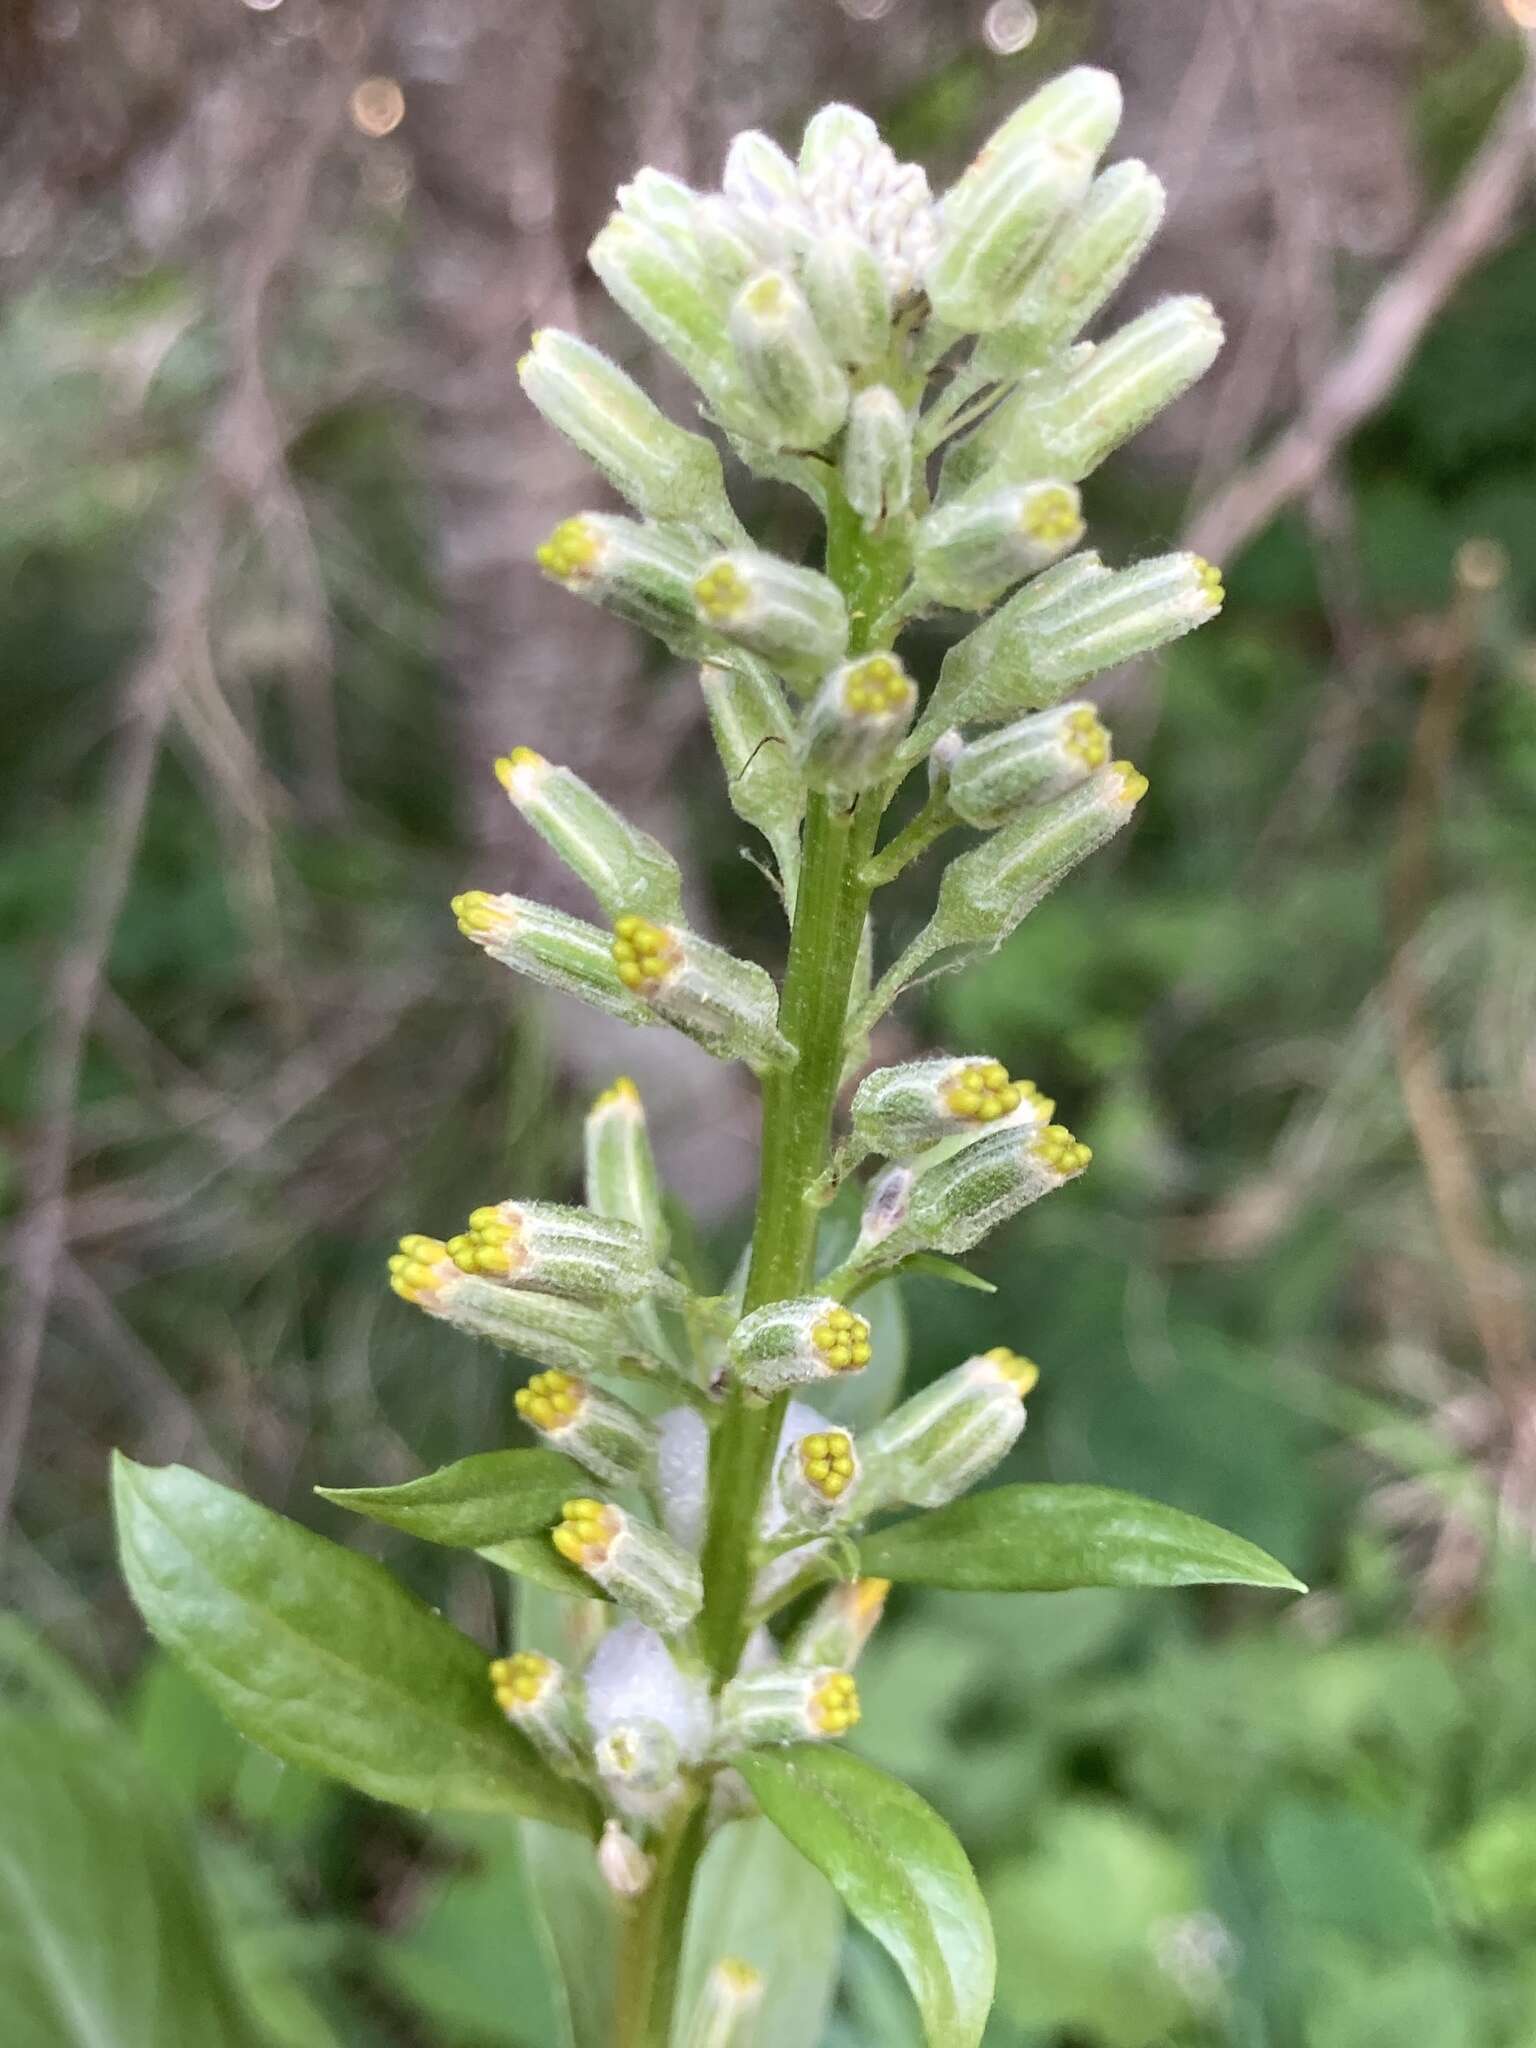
{"type": "Point", "coordinates": [1049, 1539]}
{"type": "Point", "coordinates": [106, 1939]}
{"type": "Point", "coordinates": [935, 1266]}
{"type": "Point", "coordinates": [493, 1498]}
{"type": "Point", "coordinates": [896, 1867]}
{"type": "Point", "coordinates": [318, 1655]}
{"type": "Point", "coordinates": [757, 1898]}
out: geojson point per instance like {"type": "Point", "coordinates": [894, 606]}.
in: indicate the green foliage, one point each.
{"type": "Point", "coordinates": [495, 1497]}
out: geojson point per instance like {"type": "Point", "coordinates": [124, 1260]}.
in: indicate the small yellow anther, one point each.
{"type": "Point", "coordinates": [572, 552]}
{"type": "Point", "coordinates": [833, 1707]}
{"type": "Point", "coordinates": [722, 593]}
{"type": "Point", "coordinates": [842, 1339]}
{"type": "Point", "coordinates": [1020, 1373]}
{"type": "Point", "coordinates": [551, 1400]}
{"type": "Point", "coordinates": [1133, 784]}
{"type": "Point", "coordinates": [623, 1094]}
{"type": "Point", "coordinates": [517, 771]}
{"type": "Point", "coordinates": [645, 954]}
{"type": "Point", "coordinates": [1210, 582]}
{"type": "Point", "coordinates": [877, 687]}
{"type": "Point", "coordinates": [1052, 516]}
{"type": "Point", "coordinates": [827, 1462]}
{"type": "Point", "coordinates": [1056, 1148]}
{"type": "Point", "coordinates": [1086, 739]}
{"type": "Point", "coordinates": [982, 1092]}
{"type": "Point", "coordinates": [480, 914]}
{"type": "Point", "coordinates": [764, 296]}
{"type": "Point", "coordinates": [521, 1680]}
{"type": "Point", "coordinates": [586, 1533]}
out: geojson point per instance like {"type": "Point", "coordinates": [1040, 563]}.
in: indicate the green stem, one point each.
{"type": "Point", "coordinates": [931, 823]}
{"type": "Point", "coordinates": [651, 1942]}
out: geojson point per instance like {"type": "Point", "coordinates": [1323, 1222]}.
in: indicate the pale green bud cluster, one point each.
{"type": "Point", "coordinates": [903, 1110]}
{"type": "Point", "coordinates": [625, 868]}
{"type": "Point", "coordinates": [555, 1248]}
{"type": "Point", "coordinates": [644, 573]}
{"type": "Point", "coordinates": [755, 738]}
{"type": "Point", "coordinates": [792, 1343]}
{"type": "Point", "coordinates": [724, 1004]}
{"type": "Point", "coordinates": [969, 553]}
{"type": "Point", "coordinates": [601, 1433]}
{"type": "Point", "coordinates": [787, 1703]}
{"type": "Point", "coordinates": [855, 724]}
{"type": "Point", "coordinates": [794, 618]}
{"type": "Point", "coordinates": [571, 1336]}
{"type": "Point", "coordinates": [877, 456]}
{"type": "Point", "coordinates": [621, 1175]}
{"type": "Point", "coordinates": [944, 1440]}
{"type": "Point", "coordinates": [637, 1566]}
{"type": "Point", "coordinates": [539, 1698]}
{"type": "Point", "coordinates": [549, 946]}
{"type": "Point", "coordinates": [1029, 762]}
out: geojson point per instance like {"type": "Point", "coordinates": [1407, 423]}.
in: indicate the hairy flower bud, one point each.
{"type": "Point", "coordinates": [733, 244]}
{"type": "Point", "coordinates": [792, 617]}
{"type": "Point", "coordinates": [788, 366]}
{"type": "Point", "coordinates": [553, 1330]}
{"type": "Point", "coordinates": [940, 1443]}
{"type": "Point", "coordinates": [600, 1432]}
{"type": "Point", "coordinates": [562, 952]}
{"type": "Point", "coordinates": [759, 176]}
{"type": "Point", "coordinates": [728, 1006]}
{"type": "Point", "coordinates": [625, 868]}
{"type": "Point", "coordinates": [1081, 106]}
{"type": "Point", "coordinates": [996, 221]}
{"type": "Point", "coordinates": [1084, 266]}
{"type": "Point", "coordinates": [728, 2006]}
{"type": "Point", "coordinates": [900, 1111]}
{"type": "Point", "coordinates": [855, 723]}
{"type": "Point", "coordinates": [851, 180]}
{"type": "Point", "coordinates": [627, 1870]}
{"type": "Point", "coordinates": [968, 554]}
{"type": "Point", "coordinates": [787, 1703]}
{"type": "Point", "coordinates": [1067, 625]}
{"type": "Point", "coordinates": [555, 1248]}
{"type": "Point", "coordinates": [661, 282]}
{"type": "Point", "coordinates": [621, 1177]}
{"type": "Point", "coordinates": [536, 1695]}
{"type": "Point", "coordinates": [638, 1764]}
{"type": "Point", "coordinates": [663, 470]}
{"type": "Point", "coordinates": [877, 456]}
{"type": "Point", "coordinates": [656, 200]}
{"type": "Point", "coordinates": [954, 1204]}
{"type": "Point", "coordinates": [848, 296]}
{"type": "Point", "coordinates": [755, 738]}
{"type": "Point", "coordinates": [840, 1624]}
{"type": "Point", "coordinates": [635, 1565]}
{"type": "Point", "coordinates": [643, 573]}
{"type": "Point", "coordinates": [1029, 762]}
{"type": "Point", "coordinates": [790, 1343]}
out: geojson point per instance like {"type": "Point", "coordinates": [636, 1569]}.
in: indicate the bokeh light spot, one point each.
{"type": "Point", "coordinates": [378, 106]}
{"type": "Point", "coordinates": [1009, 25]}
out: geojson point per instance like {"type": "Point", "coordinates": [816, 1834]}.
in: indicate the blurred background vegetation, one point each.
{"type": "Point", "coordinates": [267, 498]}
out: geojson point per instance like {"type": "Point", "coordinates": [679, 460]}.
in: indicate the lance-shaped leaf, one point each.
{"type": "Point", "coordinates": [536, 1559]}
{"type": "Point", "coordinates": [486, 1499]}
{"type": "Point", "coordinates": [1050, 1539]}
{"type": "Point", "coordinates": [896, 1867]}
{"type": "Point", "coordinates": [318, 1655]}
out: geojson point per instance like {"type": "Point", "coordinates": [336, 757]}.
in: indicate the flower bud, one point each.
{"type": "Point", "coordinates": [1066, 427]}
{"type": "Point", "coordinates": [852, 180]}
{"type": "Point", "coordinates": [733, 244]}
{"type": "Point", "coordinates": [755, 738]}
{"type": "Point", "coordinates": [1083, 268]}
{"type": "Point", "coordinates": [855, 723]}
{"type": "Point", "coordinates": [625, 868]}
{"type": "Point", "coordinates": [759, 176]}
{"type": "Point", "coordinates": [833, 134]}
{"type": "Point", "coordinates": [728, 1006]}
{"type": "Point", "coordinates": [940, 1443]}
{"type": "Point", "coordinates": [535, 1694]}
{"type": "Point", "coordinates": [786, 1704]}
{"type": "Point", "coordinates": [682, 1468]}
{"type": "Point", "coordinates": [1081, 106]}
{"type": "Point", "coordinates": [663, 470]}
{"type": "Point", "coordinates": [621, 1176]}
{"type": "Point", "coordinates": [900, 1111]}
{"type": "Point", "coordinates": [840, 1624]}
{"type": "Point", "coordinates": [656, 200]}
{"type": "Point", "coordinates": [877, 455]}
{"type": "Point", "coordinates": [729, 2003]}
{"type": "Point", "coordinates": [643, 573]}
{"type": "Point", "coordinates": [638, 1764]}
{"type": "Point", "coordinates": [635, 1565]}
{"type": "Point", "coordinates": [601, 1433]}
{"type": "Point", "coordinates": [789, 369]}
{"type": "Point", "coordinates": [848, 297]}
{"type": "Point", "coordinates": [955, 1204]}
{"type": "Point", "coordinates": [627, 1870]}
{"type": "Point", "coordinates": [1067, 625]}
{"type": "Point", "coordinates": [790, 1343]}
{"type": "Point", "coordinates": [554, 1248]}
{"type": "Point", "coordinates": [996, 221]}
{"type": "Point", "coordinates": [572, 1336]}
{"type": "Point", "coordinates": [660, 280]}
{"type": "Point", "coordinates": [794, 618]}
{"type": "Point", "coordinates": [817, 1476]}
{"type": "Point", "coordinates": [969, 553]}
{"type": "Point", "coordinates": [633, 1676]}
{"type": "Point", "coordinates": [1029, 762]}
{"type": "Point", "coordinates": [562, 952]}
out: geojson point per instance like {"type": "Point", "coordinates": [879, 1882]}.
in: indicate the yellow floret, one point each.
{"type": "Point", "coordinates": [842, 1339]}
{"type": "Point", "coordinates": [827, 1462]}
{"type": "Point", "coordinates": [572, 551]}
{"type": "Point", "coordinates": [644, 954]}
{"type": "Point", "coordinates": [722, 593]}
{"type": "Point", "coordinates": [1020, 1373]}
{"type": "Point", "coordinates": [833, 1707]}
{"type": "Point", "coordinates": [622, 1095]}
{"type": "Point", "coordinates": [877, 687]}
{"type": "Point", "coordinates": [519, 771]}
{"type": "Point", "coordinates": [492, 1245]}
{"type": "Point", "coordinates": [551, 1400]}
{"type": "Point", "coordinates": [1210, 582]}
{"type": "Point", "coordinates": [416, 1270]}
{"type": "Point", "coordinates": [1086, 738]}
{"type": "Point", "coordinates": [587, 1532]}
{"type": "Point", "coordinates": [1052, 516]}
{"type": "Point", "coordinates": [982, 1092]}
{"type": "Point", "coordinates": [521, 1680]}
{"type": "Point", "coordinates": [1133, 784]}
{"type": "Point", "coordinates": [1060, 1151]}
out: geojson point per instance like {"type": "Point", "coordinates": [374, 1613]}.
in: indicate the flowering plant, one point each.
{"type": "Point", "coordinates": [723, 1488]}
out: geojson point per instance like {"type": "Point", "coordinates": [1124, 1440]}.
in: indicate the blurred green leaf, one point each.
{"type": "Point", "coordinates": [535, 1558]}
{"type": "Point", "coordinates": [896, 1867]}
{"type": "Point", "coordinates": [481, 1501]}
{"type": "Point", "coordinates": [1044, 1539]}
{"type": "Point", "coordinates": [319, 1655]}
